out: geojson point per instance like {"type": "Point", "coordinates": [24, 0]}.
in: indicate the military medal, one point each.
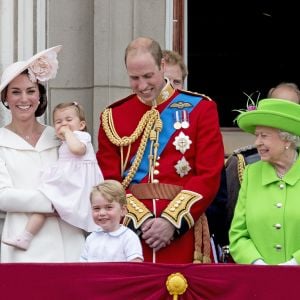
{"type": "Point", "coordinates": [185, 119]}
{"type": "Point", "coordinates": [182, 167]}
{"type": "Point", "coordinates": [177, 123]}
{"type": "Point", "coordinates": [182, 142]}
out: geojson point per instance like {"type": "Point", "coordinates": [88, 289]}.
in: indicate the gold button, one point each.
{"type": "Point", "coordinates": [277, 226]}
{"type": "Point", "coordinates": [156, 172]}
{"type": "Point", "coordinates": [278, 247]}
{"type": "Point", "coordinates": [157, 164]}
{"type": "Point", "coordinates": [155, 181]}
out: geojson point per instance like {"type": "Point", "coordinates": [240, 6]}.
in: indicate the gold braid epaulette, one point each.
{"type": "Point", "coordinates": [241, 164]}
{"type": "Point", "coordinates": [145, 125]}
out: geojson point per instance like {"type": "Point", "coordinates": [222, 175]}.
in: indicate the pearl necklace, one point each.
{"type": "Point", "coordinates": [281, 175]}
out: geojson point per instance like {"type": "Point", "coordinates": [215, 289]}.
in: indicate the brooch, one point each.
{"type": "Point", "coordinates": [182, 142]}
{"type": "Point", "coordinates": [182, 167]}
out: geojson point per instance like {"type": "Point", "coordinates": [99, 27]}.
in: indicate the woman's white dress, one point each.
{"type": "Point", "coordinates": [68, 183]}
{"type": "Point", "coordinates": [20, 170]}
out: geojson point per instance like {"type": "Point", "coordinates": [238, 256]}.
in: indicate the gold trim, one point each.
{"type": "Point", "coordinates": [241, 164]}
{"type": "Point", "coordinates": [179, 208]}
{"type": "Point", "coordinates": [136, 211]}
{"type": "Point", "coordinates": [165, 93]}
{"type": "Point", "coordinates": [150, 122]}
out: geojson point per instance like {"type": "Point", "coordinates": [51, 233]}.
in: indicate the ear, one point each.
{"type": "Point", "coordinates": [82, 125]}
{"type": "Point", "coordinates": [287, 145]}
{"type": "Point", "coordinates": [163, 65]}
{"type": "Point", "coordinates": [123, 210]}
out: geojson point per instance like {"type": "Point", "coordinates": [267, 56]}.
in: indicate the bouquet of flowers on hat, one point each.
{"type": "Point", "coordinates": [251, 104]}
{"type": "Point", "coordinates": [44, 67]}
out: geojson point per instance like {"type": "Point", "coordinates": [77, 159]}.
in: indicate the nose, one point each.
{"type": "Point", "coordinates": [24, 96]}
{"type": "Point", "coordinates": [258, 141]}
{"type": "Point", "coordinates": [101, 211]}
{"type": "Point", "coordinates": [142, 84]}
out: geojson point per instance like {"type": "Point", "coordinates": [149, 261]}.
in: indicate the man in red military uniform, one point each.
{"type": "Point", "coordinates": [165, 146]}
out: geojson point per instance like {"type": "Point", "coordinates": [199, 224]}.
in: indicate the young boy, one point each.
{"type": "Point", "coordinates": [112, 242]}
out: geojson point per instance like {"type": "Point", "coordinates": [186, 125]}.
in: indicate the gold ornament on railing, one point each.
{"type": "Point", "coordinates": [176, 285]}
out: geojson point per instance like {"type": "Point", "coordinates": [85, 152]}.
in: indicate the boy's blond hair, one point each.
{"type": "Point", "coordinates": [111, 190]}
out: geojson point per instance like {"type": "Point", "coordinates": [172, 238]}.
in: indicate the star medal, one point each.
{"type": "Point", "coordinates": [182, 142]}
{"type": "Point", "coordinates": [182, 167]}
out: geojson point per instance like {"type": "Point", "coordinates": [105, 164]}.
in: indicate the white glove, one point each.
{"type": "Point", "coordinates": [259, 262]}
{"type": "Point", "coordinates": [291, 262]}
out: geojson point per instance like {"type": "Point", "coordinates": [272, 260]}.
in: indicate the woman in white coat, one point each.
{"type": "Point", "coordinates": [27, 147]}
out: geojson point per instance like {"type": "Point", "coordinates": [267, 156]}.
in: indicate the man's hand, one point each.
{"type": "Point", "coordinates": [157, 233]}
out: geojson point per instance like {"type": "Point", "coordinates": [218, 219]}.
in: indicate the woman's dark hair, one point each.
{"type": "Point", "coordinates": [43, 101]}
{"type": "Point", "coordinates": [43, 98]}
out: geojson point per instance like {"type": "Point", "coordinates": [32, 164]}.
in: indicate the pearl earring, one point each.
{"type": "Point", "coordinates": [5, 103]}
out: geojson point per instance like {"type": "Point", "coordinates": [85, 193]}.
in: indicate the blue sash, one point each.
{"type": "Point", "coordinates": [166, 116]}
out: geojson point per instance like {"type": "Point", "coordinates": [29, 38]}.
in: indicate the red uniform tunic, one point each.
{"type": "Point", "coordinates": [205, 157]}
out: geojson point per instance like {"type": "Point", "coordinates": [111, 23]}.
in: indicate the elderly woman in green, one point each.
{"type": "Point", "coordinates": [266, 222]}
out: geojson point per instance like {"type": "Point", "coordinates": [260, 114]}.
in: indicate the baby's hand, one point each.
{"type": "Point", "coordinates": [61, 131]}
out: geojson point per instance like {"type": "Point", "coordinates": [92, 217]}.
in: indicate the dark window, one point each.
{"type": "Point", "coordinates": [237, 47]}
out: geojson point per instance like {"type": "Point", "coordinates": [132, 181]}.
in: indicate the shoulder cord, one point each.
{"type": "Point", "coordinates": [240, 166]}
{"type": "Point", "coordinates": [150, 124]}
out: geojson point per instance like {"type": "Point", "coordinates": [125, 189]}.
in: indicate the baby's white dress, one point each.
{"type": "Point", "coordinates": [68, 183]}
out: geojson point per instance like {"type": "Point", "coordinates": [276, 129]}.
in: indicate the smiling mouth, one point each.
{"type": "Point", "coordinates": [24, 107]}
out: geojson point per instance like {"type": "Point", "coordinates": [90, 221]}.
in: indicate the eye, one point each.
{"type": "Point", "coordinates": [177, 82]}
{"type": "Point", "coordinates": [148, 76]}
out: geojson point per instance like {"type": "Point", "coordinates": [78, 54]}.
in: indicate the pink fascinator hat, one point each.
{"type": "Point", "coordinates": [41, 67]}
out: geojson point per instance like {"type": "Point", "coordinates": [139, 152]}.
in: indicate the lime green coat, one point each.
{"type": "Point", "coordinates": [266, 222]}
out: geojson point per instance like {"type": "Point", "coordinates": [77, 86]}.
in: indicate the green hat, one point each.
{"type": "Point", "coordinates": [276, 113]}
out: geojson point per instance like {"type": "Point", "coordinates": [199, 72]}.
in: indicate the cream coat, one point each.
{"type": "Point", "coordinates": [20, 170]}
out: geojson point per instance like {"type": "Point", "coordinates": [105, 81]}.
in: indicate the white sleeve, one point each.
{"type": "Point", "coordinates": [20, 200]}
{"type": "Point", "coordinates": [291, 262]}
{"type": "Point", "coordinates": [133, 246]}
{"type": "Point", "coordinates": [259, 262]}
